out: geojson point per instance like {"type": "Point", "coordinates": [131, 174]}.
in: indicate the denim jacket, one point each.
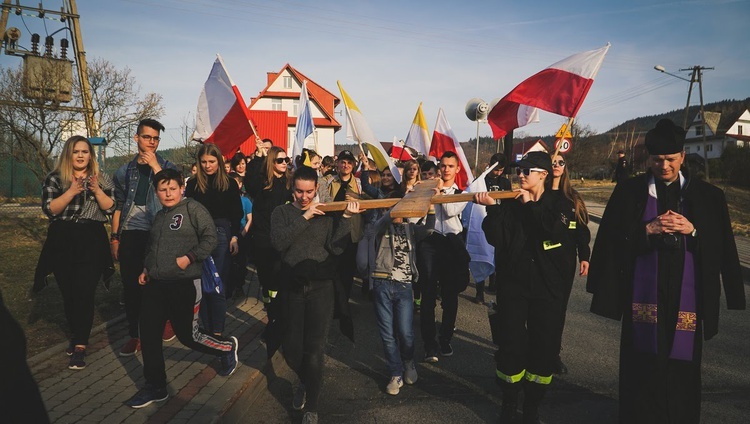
{"type": "Point", "coordinates": [126, 183]}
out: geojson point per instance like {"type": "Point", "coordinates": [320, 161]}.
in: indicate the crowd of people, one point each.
{"type": "Point", "coordinates": [183, 247]}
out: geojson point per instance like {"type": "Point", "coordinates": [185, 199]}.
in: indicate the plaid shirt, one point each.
{"type": "Point", "coordinates": [83, 205]}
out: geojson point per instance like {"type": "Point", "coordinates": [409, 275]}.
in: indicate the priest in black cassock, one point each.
{"type": "Point", "coordinates": [662, 244]}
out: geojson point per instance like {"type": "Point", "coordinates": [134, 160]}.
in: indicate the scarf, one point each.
{"type": "Point", "coordinates": [645, 282]}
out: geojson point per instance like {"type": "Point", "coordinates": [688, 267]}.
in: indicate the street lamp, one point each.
{"type": "Point", "coordinates": [696, 76]}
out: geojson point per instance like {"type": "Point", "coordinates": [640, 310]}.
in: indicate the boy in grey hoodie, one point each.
{"type": "Point", "coordinates": [182, 236]}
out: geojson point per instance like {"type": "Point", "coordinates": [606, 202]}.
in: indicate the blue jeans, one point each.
{"type": "Point", "coordinates": [213, 309]}
{"type": "Point", "coordinates": [394, 312]}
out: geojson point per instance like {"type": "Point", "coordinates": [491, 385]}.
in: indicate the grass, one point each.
{"type": "Point", "coordinates": [42, 316]}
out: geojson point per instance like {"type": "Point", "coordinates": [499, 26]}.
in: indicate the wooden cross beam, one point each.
{"type": "Point", "coordinates": [416, 203]}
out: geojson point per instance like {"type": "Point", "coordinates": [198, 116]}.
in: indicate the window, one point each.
{"type": "Point", "coordinates": [295, 108]}
{"type": "Point", "coordinates": [697, 148]}
{"type": "Point", "coordinates": [739, 129]}
{"type": "Point", "coordinates": [709, 147]}
{"type": "Point", "coordinates": [699, 130]}
{"type": "Point", "coordinates": [287, 82]}
{"type": "Point", "coordinates": [275, 104]}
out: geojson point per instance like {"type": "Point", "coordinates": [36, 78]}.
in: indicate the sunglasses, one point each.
{"type": "Point", "coordinates": [527, 171]}
{"type": "Point", "coordinates": [279, 161]}
{"type": "Point", "coordinates": [559, 163]}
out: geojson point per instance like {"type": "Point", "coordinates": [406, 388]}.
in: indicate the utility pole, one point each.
{"type": "Point", "coordinates": [68, 12]}
{"type": "Point", "coordinates": [4, 21]}
{"type": "Point", "coordinates": [697, 76]}
{"type": "Point", "coordinates": [83, 73]}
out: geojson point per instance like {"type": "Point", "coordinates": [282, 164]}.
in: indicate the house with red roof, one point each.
{"type": "Point", "coordinates": [279, 104]}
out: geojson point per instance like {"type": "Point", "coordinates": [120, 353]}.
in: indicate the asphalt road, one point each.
{"type": "Point", "coordinates": [461, 388]}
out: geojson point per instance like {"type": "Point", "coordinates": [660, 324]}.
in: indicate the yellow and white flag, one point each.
{"type": "Point", "coordinates": [418, 137]}
{"type": "Point", "coordinates": [359, 130]}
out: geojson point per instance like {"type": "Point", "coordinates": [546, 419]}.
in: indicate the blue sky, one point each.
{"type": "Point", "coordinates": [391, 55]}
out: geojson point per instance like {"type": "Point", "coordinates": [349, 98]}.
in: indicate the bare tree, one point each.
{"type": "Point", "coordinates": [33, 129]}
{"type": "Point", "coordinates": [117, 104]}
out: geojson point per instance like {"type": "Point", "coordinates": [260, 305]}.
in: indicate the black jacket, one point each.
{"type": "Point", "coordinates": [622, 236]}
{"type": "Point", "coordinates": [516, 229]}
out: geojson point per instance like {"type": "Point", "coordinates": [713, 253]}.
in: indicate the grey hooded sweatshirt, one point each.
{"type": "Point", "coordinates": [185, 229]}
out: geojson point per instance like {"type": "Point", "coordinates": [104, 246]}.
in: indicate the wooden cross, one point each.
{"type": "Point", "coordinates": [416, 203]}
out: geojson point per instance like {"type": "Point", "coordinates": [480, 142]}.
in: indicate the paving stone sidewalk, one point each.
{"type": "Point", "coordinates": [197, 394]}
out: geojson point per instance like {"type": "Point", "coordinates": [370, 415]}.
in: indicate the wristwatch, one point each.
{"type": "Point", "coordinates": [694, 233]}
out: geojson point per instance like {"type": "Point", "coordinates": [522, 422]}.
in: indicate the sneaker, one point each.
{"type": "Point", "coordinates": [77, 359]}
{"type": "Point", "coordinates": [131, 347]}
{"type": "Point", "coordinates": [168, 334]}
{"type": "Point", "coordinates": [229, 359]}
{"type": "Point", "coordinates": [300, 397]}
{"type": "Point", "coordinates": [70, 349]}
{"type": "Point", "coordinates": [431, 357]}
{"type": "Point", "coordinates": [146, 396]}
{"type": "Point", "coordinates": [446, 349]}
{"type": "Point", "coordinates": [310, 418]}
{"type": "Point", "coordinates": [393, 385]}
{"type": "Point", "coordinates": [410, 372]}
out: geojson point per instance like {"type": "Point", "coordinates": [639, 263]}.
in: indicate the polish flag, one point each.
{"type": "Point", "coordinates": [444, 140]}
{"type": "Point", "coordinates": [418, 137]}
{"type": "Point", "coordinates": [222, 118]}
{"type": "Point", "coordinates": [559, 89]}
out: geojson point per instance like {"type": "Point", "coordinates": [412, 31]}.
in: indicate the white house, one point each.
{"type": "Point", "coordinates": [281, 94]}
{"type": "Point", "coordinates": [721, 131]}
{"type": "Point", "coordinates": [738, 133]}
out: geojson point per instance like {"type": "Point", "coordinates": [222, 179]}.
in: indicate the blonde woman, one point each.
{"type": "Point", "coordinates": [77, 198]}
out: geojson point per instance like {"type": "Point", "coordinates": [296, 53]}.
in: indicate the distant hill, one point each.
{"type": "Point", "coordinates": [730, 110]}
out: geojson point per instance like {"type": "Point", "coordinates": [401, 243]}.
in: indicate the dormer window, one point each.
{"type": "Point", "coordinates": [287, 82]}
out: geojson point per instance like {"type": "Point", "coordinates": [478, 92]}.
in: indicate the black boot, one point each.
{"type": "Point", "coordinates": [479, 298]}
{"type": "Point", "coordinates": [533, 395]}
{"type": "Point", "coordinates": [509, 410]}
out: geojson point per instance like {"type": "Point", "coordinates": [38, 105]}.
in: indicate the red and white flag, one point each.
{"type": "Point", "coordinates": [222, 117]}
{"type": "Point", "coordinates": [559, 89]}
{"type": "Point", "coordinates": [444, 140]}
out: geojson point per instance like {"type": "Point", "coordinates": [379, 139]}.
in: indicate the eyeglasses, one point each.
{"type": "Point", "coordinates": [527, 171]}
{"type": "Point", "coordinates": [279, 161]}
{"type": "Point", "coordinates": [559, 163]}
{"type": "Point", "coordinates": [149, 137]}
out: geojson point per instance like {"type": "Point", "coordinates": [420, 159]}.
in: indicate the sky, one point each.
{"type": "Point", "coordinates": [392, 55]}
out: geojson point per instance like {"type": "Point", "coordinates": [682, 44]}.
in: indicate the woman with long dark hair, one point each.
{"type": "Point", "coordinates": [220, 194]}
{"type": "Point", "coordinates": [269, 188]}
{"type": "Point", "coordinates": [576, 246]}
{"type": "Point", "coordinates": [77, 197]}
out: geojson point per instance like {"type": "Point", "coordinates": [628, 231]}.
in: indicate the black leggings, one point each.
{"type": "Point", "coordinates": [308, 310]}
{"type": "Point", "coordinates": [77, 284]}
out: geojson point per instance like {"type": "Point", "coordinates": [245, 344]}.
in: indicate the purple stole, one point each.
{"type": "Point", "coordinates": [644, 307]}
